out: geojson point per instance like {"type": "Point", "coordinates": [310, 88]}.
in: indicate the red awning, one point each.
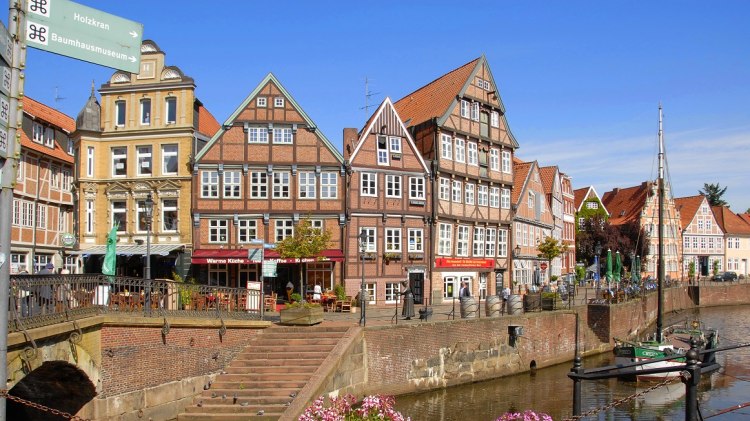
{"type": "Point", "coordinates": [240, 256]}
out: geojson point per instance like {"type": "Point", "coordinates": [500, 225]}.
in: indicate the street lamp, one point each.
{"type": "Point", "coordinates": [149, 213]}
{"type": "Point", "coordinates": [362, 248]}
{"type": "Point", "coordinates": [516, 255]}
{"type": "Point", "coordinates": [598, 251]}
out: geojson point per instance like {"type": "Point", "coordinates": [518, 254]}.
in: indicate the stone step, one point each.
{"type": "Point", "coordinates": [250, 362]}
{"type": "Point", "coordinates": [252, 376]}
{"type": "Point", "coordinates": [249, 392]}
{"type": "Point", "coordinates": [238, 416]}
{"type": "Point", "coordinates": [307, 369]}
{"type": "Point", "coordinates": [207, 401]}
{"type": "Point", "coordinates": [297, 342]}
{"type": "Point", "coordinates": [240, 384]}
{"type": "Point", "coordinates": [310, 346]}
{"type": "Point", "coordinates": [283, 355]}
{"type": "Point", "coordinates": [286, 330]}
{"type": "Point", "coordinates": [251, 409]}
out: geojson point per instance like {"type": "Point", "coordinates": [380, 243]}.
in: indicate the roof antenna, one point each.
{"type": "Point", "coordinates": [368, 94]}
{"type": "Point", "coordinates": [58, 98]}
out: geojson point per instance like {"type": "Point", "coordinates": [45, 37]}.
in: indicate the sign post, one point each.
{"type": "Point", "coordinates": [74, 30]}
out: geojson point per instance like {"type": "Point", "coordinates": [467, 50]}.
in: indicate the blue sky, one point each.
{"type": "Point", "coordinates": [581, 81]}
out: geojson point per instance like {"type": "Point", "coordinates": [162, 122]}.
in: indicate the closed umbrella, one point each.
{"type": "Point", "coordinates": [608, 273]}
{"type": "Point", "coordinates": [636, 275]}
{"type": "Point", "coordinates": [618, 267]}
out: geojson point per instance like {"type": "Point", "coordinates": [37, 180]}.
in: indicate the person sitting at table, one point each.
{"type": "Point", "coordinates": [317, 290]}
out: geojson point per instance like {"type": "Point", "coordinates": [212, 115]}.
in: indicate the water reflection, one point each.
{"type": "Point", "coordinates": [551, 391]}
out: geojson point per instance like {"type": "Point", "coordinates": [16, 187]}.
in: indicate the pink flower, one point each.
{"type": "Point", "coordinates": [527, 415]}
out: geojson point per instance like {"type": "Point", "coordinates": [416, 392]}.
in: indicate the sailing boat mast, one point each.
{"type": "Point", "coordinates": [660, 258]}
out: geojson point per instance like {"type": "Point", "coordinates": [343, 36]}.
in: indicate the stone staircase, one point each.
{"type": "Point", "coordinates": [263, 380]}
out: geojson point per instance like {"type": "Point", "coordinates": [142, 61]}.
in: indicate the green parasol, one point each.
{"type": "Point", "coordinates": [635, 276]}
{"type": "Point", "coordinates": [618, 267]}
{"type": "Point", "coordinates": [608, 273]}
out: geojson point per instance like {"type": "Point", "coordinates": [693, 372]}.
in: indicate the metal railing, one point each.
{"type": "Point", "coordinates": [41, 300]}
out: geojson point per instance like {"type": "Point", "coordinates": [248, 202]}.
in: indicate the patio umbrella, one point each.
{"type": "Point", "coordinates": [618, 267]}
{"type": "Point", "coordinates": [608, 273]}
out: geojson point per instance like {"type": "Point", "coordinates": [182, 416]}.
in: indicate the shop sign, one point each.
{"type": "Point", "coordinates": [463, 262]}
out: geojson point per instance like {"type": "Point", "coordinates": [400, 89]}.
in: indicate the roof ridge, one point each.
{"type": "Point", "coordinates": [439, 77]}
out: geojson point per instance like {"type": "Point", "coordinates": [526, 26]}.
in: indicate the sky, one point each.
{"type": "Point", "coordinates": [581, 81]}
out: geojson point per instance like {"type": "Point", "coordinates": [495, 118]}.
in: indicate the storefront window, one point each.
{"type": "Point", "coordinates": [217, 275]}
{"type": "Point", "coordinates": [321, 274]}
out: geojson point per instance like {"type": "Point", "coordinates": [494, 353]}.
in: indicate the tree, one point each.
{"type": "Point", "coordinates": [549, 249]}
{"type": "Point", "coordinates": [629, 238]}
{"type": "Point", "coordinates": [307, 242]}
{"type": "Point", "coordinates": [713, 193]}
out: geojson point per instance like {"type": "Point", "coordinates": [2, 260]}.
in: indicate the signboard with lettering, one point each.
{"type": "Point", "coordinates": [74, 30]}
{"type": "Point", "coordinates": [6, 54]}
{"type": "Point", "coordinates": [463, 262]}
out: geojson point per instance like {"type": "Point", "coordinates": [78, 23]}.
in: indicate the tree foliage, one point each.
{"type": "Point", "coordinates": [629, 239]}
{"type": "Point", "coordinates": [306, 241]}
{"type": "Point", "coordinates": [713, 193]}
{"type": "Point", "coordinates": [550, 248]}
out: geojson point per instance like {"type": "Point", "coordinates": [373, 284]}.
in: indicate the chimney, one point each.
{"type": "Point", "coordinates": [350, 140]}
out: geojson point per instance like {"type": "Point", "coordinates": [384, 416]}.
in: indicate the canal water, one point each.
{"type": "Point", "coordinates": [550, 390]}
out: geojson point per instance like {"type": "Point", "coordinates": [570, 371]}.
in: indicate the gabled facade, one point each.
{"type": "Point", "coordinates": [737, 240]}
{"type": "Point", "coordinates": [552, 184]}
{"type": "Point", "coordinates": [532, 223]}
{"type": "Point", "coordinates": [137, 143]}
{"type": "Point", "coordinates": [569, 228]}
{"type": "Point", "coordinates": [458, 123]}
{"type": "Point", "coordinates": [702, 236]}
{"type": "Point", "coordinates": [640, 204]}
{"type": "Point", "coordinates": [588, 204]}
{"type": "Point", "coordinates": [264, 171]}
{"type": "Point", "coordinates": [389, 199]}
{"type": "Point", "coordinates": [42, 221]}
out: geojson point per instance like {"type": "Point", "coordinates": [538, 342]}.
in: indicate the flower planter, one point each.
{"type": "Point", "coordinates": [306, 316]}
{"type": "Point", "coordinates": [532, 302]}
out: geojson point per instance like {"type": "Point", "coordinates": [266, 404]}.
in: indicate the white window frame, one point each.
{"type": "Point", "coordinates": [393, 186]}
{"type": "Point", "coordinates": [445, 189]}
{"type": "Point", "coordinates": [445, 234]}
{"type": "Point", "coordinates": [478, 243]}
{"type": "Point", "coordinates": [394, 144]}
{"type": "Point", "coordinates": [257, 134]}
{"type": "Point", "coordinates": [278, 102]}
{"type": "Point", "coordinates": [169, 214]}
{"type": "Point", "coordinates": [90, 161]}
{"type": "Point", "coordinates": [371, 244]}
{"type": "Point", "coordinates": [475, 111]}
{"type": "Point", "coordinates": [283, 228]}
{"type": "Point", "coordinates": [472, 154]}
{"type": "Point", "coordinates": [469, 190]}
{"type": "Point", "coordinates": [392, 292]}
{"type": "Point", "coordinates": [37, 133]}
{"type": "Point", "coordinates": [446, 147]}
{"type": "Point", "coordinates": [120, 210]}
{"type": "Point", "coordinates": [144, 157]}
{"type": "Point", "coordinates": [283, 136]}
{"type": "Point", "coordinates": [490, 240]}
{"type": "Point", "coordinates": [464, 108]}
{"type": "Point", "coordinates": [118, 157]}
{"type": "Point", "coordinates": [170, 107]}
{"type": "Point", "coordinates": [259, 185]}
{"type": "Point", "coordinates": [504, 198]}
{"type": "Point", "coordinates": [368, 184]}
{"type": "Point", "coordinates": [261, 102]}
{"type": "Point", "coordinates": [308, 185]}
{"type": "Point", "coordinates": [218, 231]}
{"type": "Point", "coordinates": [247, 230]}
{"type": "Point", "coordinates": [232, 184]}
{"type": "Point", "coordinates": [495, 119]}
{"type": "Point", "coordinates": [460, 149]}
{"type": "Point", "coordinates": [417, 188]}
{"type": "Point", "coordinates": [41, 215]}
{"type": "Point", "coordinates": [416, 240]}
{"type": "Point", "coordinates": [392, 240]}
{"type": "Point", "coordinates": [49, 137]}
{"type": "Point", "coordinates": [329, 185]}
{"type": "Point", "coordinates": [168, 153]}
{"type": "Point", "coordinates": [502, 242]}
{"type": "Point", "coordinates": [120, 113]}
{"type": "Point", "coordinates": [494, 196]}
{"type": "Point", "coordinates": [482, 195]}
{"type": "Point", "coordinates": [89, 216]}
{"type": "Point", "coordinates": [209, 184]}
{"type": "Point", "coordinates": [141, 224]}
{"type": "Point", "coordinates": [506, 169]}
{"type": "Point", "coordinates": [381, 146]}
{"type": "Point", "coordinates": [145, 108]}
{"type": "Point", "coordinates": [282, 183]}
{"type": "Point", "coordinates": [494, 160]}
{"type": "Point", "coordinates": [462, 240]}
{"type": "Point", "coordinates": [456, 191]}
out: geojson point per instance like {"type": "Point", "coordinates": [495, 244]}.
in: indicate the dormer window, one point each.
{"type": "Point", "coordinates": [37, 133]}
{"type": "Point", "coordinates": [260, 102]}
{"type": "Point", "coordinates": [49, 137]}
{"type": "Point", "coordinates": [278, 102]}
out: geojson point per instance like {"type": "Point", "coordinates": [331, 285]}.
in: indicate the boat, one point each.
{"type": "Point", "coordinates": [675, 340]}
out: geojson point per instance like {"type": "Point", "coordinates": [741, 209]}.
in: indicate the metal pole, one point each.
{"type": "Point", "coordinates": [262, 297]}
{"type": "Point", "coordinates": [147, 272]}
{"type": "Point", "coordinates": [691, 377]}
{"type": "Point", "coordinates": [578, 369]}
{"type": "Point", "coordinates": [362, 319]}
{"type": "Point", "coordinates": [16, 25]}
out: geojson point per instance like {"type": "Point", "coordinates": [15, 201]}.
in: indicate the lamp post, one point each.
{"type": "Point", "coordinates": [149, 211]}
{"type": "Point", "coordinates": [516, 255]}
{"type": "Point", "coordinates": [362, 247]}
{"type": "Point", "coordinates": [598, 251]}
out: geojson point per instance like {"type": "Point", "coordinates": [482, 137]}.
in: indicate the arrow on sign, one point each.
{"type": "Point", "coordinates": [133, 34]}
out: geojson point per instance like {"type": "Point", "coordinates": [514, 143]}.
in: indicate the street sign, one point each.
{"type": "Point", "coordinates": [6, 46]}
{"type": "Point", "coordinates": [543, 266]}
{"type": "Point", "coordinates": [74, 30]}
{"type": "Point", "coordinates": [5, 79]}
{"type": "Point", "coordinates": [269, 269]}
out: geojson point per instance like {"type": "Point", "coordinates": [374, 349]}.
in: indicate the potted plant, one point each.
{"type": "Point", "coordinates": [301, 313]}
{"type": "Point", "coordinates": [550, 300]}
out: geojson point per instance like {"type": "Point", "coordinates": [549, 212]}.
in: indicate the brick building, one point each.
{"type": "Point", "coordinates": [42, 221]}
{"type": "Point", "coordinates": [265, 170]}
{"type": "Point", "coordinates": [388, 200]}
{"type": "Point", "coordinates": [458, 123]}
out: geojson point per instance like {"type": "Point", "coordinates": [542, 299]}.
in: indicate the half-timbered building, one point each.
{"type": "Point", "coordinates": [458, 123]}
{"type": "Point", "coordinates": [389, 201]}
{"type": "Point", "coordinates": [702, 236]}
{"type": "Point", "coordinates": [268, 168]}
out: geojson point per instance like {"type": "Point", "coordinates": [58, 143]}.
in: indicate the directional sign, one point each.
{"type": "Point", "coordinates": [6, 46]}
{"type": "Point", "coordinates": [74, 30]}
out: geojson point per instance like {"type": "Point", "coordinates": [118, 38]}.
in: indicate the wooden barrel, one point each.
{"type": "Point", "coordinates": [515, 304]}
{"type": "Point", "coordinates": [493, 305]}
{"type": "Point", "coordinates": [468, 308]}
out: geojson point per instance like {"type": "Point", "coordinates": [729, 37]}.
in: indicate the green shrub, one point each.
{"type": "Point", "coordinates": [296, 297]}
{"type": "Point", "coordinates": [340, 292]}
{"type": "Point", "coordinates": [552, 295]}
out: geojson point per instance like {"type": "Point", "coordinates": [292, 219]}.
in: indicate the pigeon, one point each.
{"type": "Point", "coordinates": [245, 404]}
{"type": "Point", "coordinates": [223, 397]}
{"type": "Point", "coordinates": [234, 399]}
{"type": "Point", "coordinates": [200, 404]}
{"type": "Point", "coordinates": [205, 387]}
{"type": "Point", "coordinates": [261, 412]}
{"type": "Point", "coordinates": [213, 394]}
{"type": "Point", "coordinates": [293, 394]}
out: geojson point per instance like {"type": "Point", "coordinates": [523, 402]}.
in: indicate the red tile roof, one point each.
{"type": "Point", "coordinates": [625, 204]}
{"type": "Point", "coordinates": [520, 174]}
{"type": "Point", "coordinates": [547, 175]}
{"type": "Point", "coordinates": [730, 222]}
{"type": "Point", "coordinates": [688, 206]}
{"type": "Point", "coordinates": [435, 97]}
{"type": "Point", "coordinates": [50, 116]}
{"type": "Point", "coordinates": [580, 195]}
{"type": "Point", "coordinates": [745, 217]}
{"type": "Point", "coordinates": [207, 124]}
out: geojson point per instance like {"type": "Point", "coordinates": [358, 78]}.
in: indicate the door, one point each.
{"type": "Point", "coordinates": [416, 281]}
{"type": "Point", "coordinates": [703, 263]}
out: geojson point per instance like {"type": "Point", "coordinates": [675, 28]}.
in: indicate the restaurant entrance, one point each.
{"type": "Point", "coordinates": [416, 283]}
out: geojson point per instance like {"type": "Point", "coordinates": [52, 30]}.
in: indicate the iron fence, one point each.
{"type": "Point", "coordinates": [41, 300]}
